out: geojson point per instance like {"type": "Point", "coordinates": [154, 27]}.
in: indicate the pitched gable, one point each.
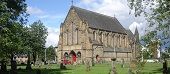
{"type": "Point", "coordinates": [99, 21]}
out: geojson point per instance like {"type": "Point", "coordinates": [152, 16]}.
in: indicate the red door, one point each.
{"type": "Point", "coordinates": [74, 58]}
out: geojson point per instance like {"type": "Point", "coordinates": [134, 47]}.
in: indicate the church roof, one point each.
{"type": "Point", "coordinates": [136, 31]}
{"type": "Point", "coordinates": [136, 35]}
{"type": "Point", "coordinates": [99, 21]}
{"type": "Point", "coordinates": [130, 34]}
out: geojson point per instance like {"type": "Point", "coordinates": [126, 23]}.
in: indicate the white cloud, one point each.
{"type": "Point", "coordinates": [53, 36]}
{"type": "Point", "coordinates": [43, 16]}
{"type": "Point", "coordinates": [116, 8]}
{"type": "Point", "coordinates": [53, 16]}
{"type": "Point", "coordinates": [87, 1]}
{"type": "Point", "coordinates": [34, 10]}
{"type": "Point", "coordinates": [140, 26]}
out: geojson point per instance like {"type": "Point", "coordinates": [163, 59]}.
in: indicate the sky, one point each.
{"type": "Point", "coordinates": [53, 12]}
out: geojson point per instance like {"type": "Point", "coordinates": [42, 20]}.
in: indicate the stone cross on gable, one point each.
{"type": "Point", "coordinates": [72, 2]}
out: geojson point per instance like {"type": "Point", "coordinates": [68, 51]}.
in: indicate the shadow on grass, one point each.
{"type": "Point", "coordinates": [160, 70]}
{"type": "Point", "coordinates": [39, 71]}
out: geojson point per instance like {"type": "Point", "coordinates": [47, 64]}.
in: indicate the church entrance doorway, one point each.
{"type": "Point", "coordinates": [73, 56]}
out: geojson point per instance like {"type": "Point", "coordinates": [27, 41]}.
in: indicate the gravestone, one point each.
{"type": "Point", "coordinates": [122, 63]}
{"type": "Point", "coordinates": [165, 68]}
{"type": "Point", "coordinates": [88, 66]}
{"type": "Point", "coordinates": [62, 66]}
{"type": "Point", "coordinates": [113, 69]}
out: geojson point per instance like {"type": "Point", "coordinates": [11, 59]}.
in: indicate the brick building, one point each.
{"type": "Point", "coordinates": [86, 35]}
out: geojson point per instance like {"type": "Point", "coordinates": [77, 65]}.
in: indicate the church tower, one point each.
{"type": "Point", "coordinates": [136, 34]}
{"type": "Point", "coordinates": [137, 43]}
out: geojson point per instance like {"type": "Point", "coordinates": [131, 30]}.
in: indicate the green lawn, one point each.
{"type": "Point", "coordinates": [150, 68]}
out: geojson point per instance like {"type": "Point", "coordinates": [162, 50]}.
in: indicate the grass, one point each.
{"type": "Point", "coordinates": [150, 68]}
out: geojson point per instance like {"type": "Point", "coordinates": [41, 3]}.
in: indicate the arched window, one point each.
{"type": "Point", "coordinates": [73, 55]}
{"type": "Point", "coordinates": [107, 40]}
{"type": "Point", "coordinates": [97, 56]}
{"type": "Point", "coordinates": [66, 55]}
{"type": "Point", "coordinates": [79, 54]}
{"type": "Point", "coordinates": [66, 34]}
{"type": "Point", "coordinates": [94, 35]}
{"type": "Point", "coordinates": [102, 37]}
{"type": "Point", "coordinates": [76, 35]}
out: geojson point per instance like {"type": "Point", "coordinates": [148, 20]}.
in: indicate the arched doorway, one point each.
{"type": "Point", "coordinates": [73, 56]}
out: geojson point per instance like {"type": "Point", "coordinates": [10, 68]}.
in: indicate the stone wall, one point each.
{"type": "Point", "coordinates": [77, 36]}
{"type": "Point", "coordinates": [118, 55]}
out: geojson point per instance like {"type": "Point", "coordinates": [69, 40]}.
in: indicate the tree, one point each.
{"type": "Point", "coordinates": [12, 16]}
{"type": "Point", "coordinates": [12, 11]}
{"type": "Point", "coordinates": [38, 38]}
{"type": "Point", "coordinates": [151, 43]}
{"type": "Point", "coordinates": [157, 14]}
{"type": "Point", "coordinates": [27, 45]}
{"type": "Point", "coordinates": [51, 53]}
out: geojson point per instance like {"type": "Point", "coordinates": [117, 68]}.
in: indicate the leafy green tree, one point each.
{"type": "Point", "coordinates": [12, 11]}
{"type": "Point", "coordinates": [51, 53]}
{"type": "Point", "coordinates": [27, 45]}
{"type": "Point", "coordinates": [151, 43]}
{"type": "Point", "coordinates": [12, 16]}
{"type": "Point", "coordinates": [38, 38]}
{"type": "Point", "coordinates": [157, 14]}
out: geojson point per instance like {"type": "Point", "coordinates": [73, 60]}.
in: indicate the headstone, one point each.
{"type": "Point", "coordinates": [87, 66]}
{"type": "Point", "coordinates": [62, 66]}
{"type": "Point", "coordinates": [113, 69]}
{"type": "Point", "coordinates": [165, 68]}
{"type": "Point", "coordinates": [122, 63]}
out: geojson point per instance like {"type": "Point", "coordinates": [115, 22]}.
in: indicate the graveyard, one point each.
{"type": "Point", "coordinates": [149, 68]}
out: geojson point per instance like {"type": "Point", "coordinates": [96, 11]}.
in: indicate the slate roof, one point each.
{"type": "Point", "coordinates": [136, 32]}
{"type": "Point", "coordinates": [130, 34]}
{"type": "Point", "coordinates": [99, 21]}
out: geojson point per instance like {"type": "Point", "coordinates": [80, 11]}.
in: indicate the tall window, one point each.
{"type": "Point", "coordinates": [117, 41]}
{"type": "Point", "coordinates": [102, 37]}
{"type": "Point", "coordinates": [107, 38]}
{"type": "Point", "coordinates": [66, 37]}
{"type": "Point", "coordinates": [79, 54]}
{"type": "Point", "coordinates": [76, 36]}
{"type": "Point", "coordinates": [94, 35]}
{"type": "Point", "coordinates": [113, 41]}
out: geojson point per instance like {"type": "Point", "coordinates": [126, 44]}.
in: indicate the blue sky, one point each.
{"type": "Point", "coordinates": [53, 12]}
{"type": "Point", "coordinates": [50, 12]}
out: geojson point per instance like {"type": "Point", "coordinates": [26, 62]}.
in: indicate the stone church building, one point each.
{"type": "Point", "coordinates": [87, 35]}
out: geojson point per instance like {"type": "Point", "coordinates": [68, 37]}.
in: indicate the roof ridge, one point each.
{"type": "Point", "coordinates": [99, 21]}
{"type": "Point", "coordinates": [94, 12]}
